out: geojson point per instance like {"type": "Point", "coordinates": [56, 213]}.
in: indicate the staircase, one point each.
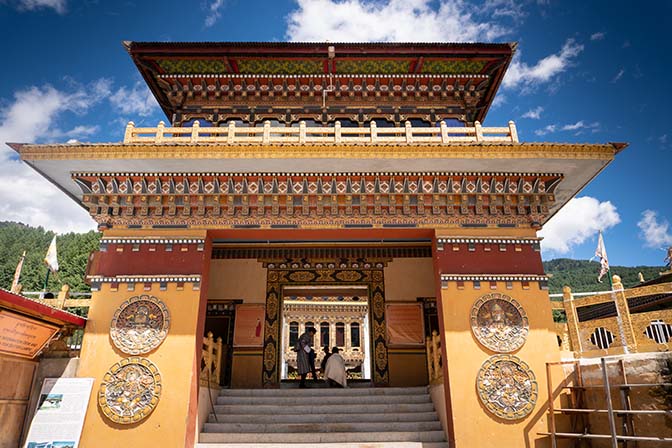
{"type": "Point", "coordinates": [324, 418]}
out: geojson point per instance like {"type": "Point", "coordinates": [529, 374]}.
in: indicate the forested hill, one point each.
{"type": "Point", "coordinates": [581, 275]}
{"type": "Point", "coordinates": [74, 250]}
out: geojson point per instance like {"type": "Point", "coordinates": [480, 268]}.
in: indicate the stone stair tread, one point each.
{"type": "Point", "coordinates": [325, 417]}
{"type": "Point", "coordinates": [323, 409]}
{"type": "Point", "coordinates": [327, 445]}
{"type": "Point", "coordinates": [321, 427]}
{"type": "Point", "coordinates": [323, 392]}
{"type": "Point", "coordinates": [312, 438]}
{"type": "Point", "coordinates": [346, 399]}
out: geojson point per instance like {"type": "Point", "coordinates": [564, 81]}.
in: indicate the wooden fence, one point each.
{"type": "Point", "coordinates": [268, 134]}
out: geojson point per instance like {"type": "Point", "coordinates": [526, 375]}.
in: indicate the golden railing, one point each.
{"type": "Point", "coordinates": [434, 369]}
{"type": "Point", "coordinates": [303, 134]}
{"type": "Point", "coordinates": [63, 300]}
{"type": "Point", "coordinates": [624, 333]}
{"type": "Point", "coordinates": [211, 361]}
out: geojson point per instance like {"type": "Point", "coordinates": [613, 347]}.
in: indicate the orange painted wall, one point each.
{"type": "Point", "coordinates": [473, 424]}
{"type": "Point", "coordinates": [175, 359]}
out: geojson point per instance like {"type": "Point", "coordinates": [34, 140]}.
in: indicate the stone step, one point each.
{"type": "Point", "coordinates": [315, 392]}
{"type": "Point", "coordinates": [321, 427]}
{"type": "Point", "coordinates": [323, 408]}
{"type": "Point", "coordinates": [326, 400]}
{"type": "Point", "coordinates": [322, 437]}
{"type": "Point", "coordinates": [428, 416]}
{"type": "Point", "coordinates": [327, 445]}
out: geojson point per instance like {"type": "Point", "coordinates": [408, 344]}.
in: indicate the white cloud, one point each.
{"type": "Point", "coordinates": [392, 20]}
{"type": "Point", "coordinates": [597, 36]}
{"type": "Point", "coordinates": [578, 221]}
{"type": "Point", "coordinates": [214, 12]}
{"type": "Point", "coordinates": [528, 77]}
{"type": "Point", "coordinates": [499, 100]}
{"type": "Point", "coordinates": [137, 100]}
{"type": "Point", "coordinates": [618, 76]}
{"type": "Point", "coordinates": [60, 6]}
{"type": "Point", "coordinates": [32, 116]}
{"type": "Point", "coordinates": [534, 114]}
{"type": "Point", "coordinates": [655, 234]}
{"type": "Point", "coordinates": [579, 127]}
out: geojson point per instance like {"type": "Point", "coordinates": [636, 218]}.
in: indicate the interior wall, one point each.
{"type": "Point", "coordinates": [409, 278]}
{"type": "Point", "coordinates": [237, 279]}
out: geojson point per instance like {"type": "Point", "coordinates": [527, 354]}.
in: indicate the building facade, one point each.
{"type": "Point", "coordinates": [323, 170]}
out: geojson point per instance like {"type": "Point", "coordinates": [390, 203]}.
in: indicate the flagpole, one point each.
{"type": "Point", "coordinates": [46, 280]}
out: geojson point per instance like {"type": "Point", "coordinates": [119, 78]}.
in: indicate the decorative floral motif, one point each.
{"type": "Point", "coordinates": [507, 387]}
{"type": "Point", "coordinates": [140, 325]}
{"type": "Point", "coordinates": [130, 390]}
{"type": "Point", "coordinates": [499, 323]}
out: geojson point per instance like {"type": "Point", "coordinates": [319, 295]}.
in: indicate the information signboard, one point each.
{"type": "Point", "coordinates": [23, 336]}
{"type": "Point", "coordinates": [59, 417]}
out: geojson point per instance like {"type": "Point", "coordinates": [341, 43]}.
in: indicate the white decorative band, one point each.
{"type": "Point", "coordinates": [150, 241]}
{"type": "Point", "coordinates": [488, 240]}
{"type": "Point", "coordinates": [494, 278]}
{"type": "Point", "coordinates": [344, 75]}
{"type": "Point", "coordinates": [146, 279]}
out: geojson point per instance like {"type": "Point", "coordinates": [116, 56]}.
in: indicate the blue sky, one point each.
{"type": "Point", "coordinates": [593, 71]}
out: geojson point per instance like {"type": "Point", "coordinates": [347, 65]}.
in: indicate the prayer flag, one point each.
{"type": "Point", "coordinates": [51, 258]}
{"type": "Point", "coordinates": [601, 253]}
{"type": "Point", "coordinates": [17, 273]}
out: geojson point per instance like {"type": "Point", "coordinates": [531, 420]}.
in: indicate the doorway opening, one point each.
{"type": "Point", "coordinates": [340, 316]}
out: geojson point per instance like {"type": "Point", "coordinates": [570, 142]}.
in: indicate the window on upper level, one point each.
{"type": "Point", "coordinates": [293, 333]}
{"type": "Point", "coordinates": [324, 334]}
{"type": "Point", "coordinates": [354, 335]}
{"type": "Point", "coordinates": [340, 334]}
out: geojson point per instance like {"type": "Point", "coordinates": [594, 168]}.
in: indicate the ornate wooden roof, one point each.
{"type": "Point", "coordinates": [255, 81]}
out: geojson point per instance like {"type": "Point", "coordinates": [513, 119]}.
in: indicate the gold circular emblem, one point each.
{"type": "Point", "coordinates": [499, 323]}
{"type": "Point", "coordinates": [130, 390]}
{"type": "Point", "coordinates": [507, 387]}
{"type": "Point", "coordinates": [140, 325]}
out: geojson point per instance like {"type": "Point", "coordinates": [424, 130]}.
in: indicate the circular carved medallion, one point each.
{"type": "Point", "coordinates": [140, 325]}
{"type": "Point", "coordinates": [130, 390]}
{"type": "Point", "coordinates": [507, 387]}
{"type": "Point", "coordinates": [499, 323]}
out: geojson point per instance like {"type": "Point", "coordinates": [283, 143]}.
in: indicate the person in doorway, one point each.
{"type": "Point", "coordinates": [303, 348]}
{"type": "Point", "coordinates": [311, 360]}
{"type": "Point", "coordinates": [323, 364]}
{"type": "Point", "coordinates": [334, 372]}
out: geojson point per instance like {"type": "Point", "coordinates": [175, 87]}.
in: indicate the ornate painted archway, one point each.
{"type": "Point", "coordinates": [344, 272]}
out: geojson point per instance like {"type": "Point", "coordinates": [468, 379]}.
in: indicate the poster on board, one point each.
{"type": "Point", "coordinates": [248, 329]}
{"type": "Point", "coordinates": [404, 324]}
{"type": "Point", "coordinates": [60, 412]}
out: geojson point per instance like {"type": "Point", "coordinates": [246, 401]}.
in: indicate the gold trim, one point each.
{"type": "Point", "coordinates": [290, 151]}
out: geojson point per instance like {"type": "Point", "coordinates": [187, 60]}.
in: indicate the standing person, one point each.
{"type": "Point", "coordinates": [334, 373]}
{"type": "Point", "coordinates": [303, 348]}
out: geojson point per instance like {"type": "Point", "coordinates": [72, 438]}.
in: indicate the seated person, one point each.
{"type": "Point", "coordinates": [334, 372]}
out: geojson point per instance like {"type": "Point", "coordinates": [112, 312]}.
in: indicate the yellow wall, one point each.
{"type": "Point", "coordinates": [473, 425]}
{"type": "Point", "coordinates": [237, 279]}
{"type": "Point", "coordinates": [175, 359]}
{"type": "Point", "coordinates": [409, 278]}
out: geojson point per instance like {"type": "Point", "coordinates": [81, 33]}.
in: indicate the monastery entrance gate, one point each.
{"type": "Point", "coordinates": [346, 272]}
